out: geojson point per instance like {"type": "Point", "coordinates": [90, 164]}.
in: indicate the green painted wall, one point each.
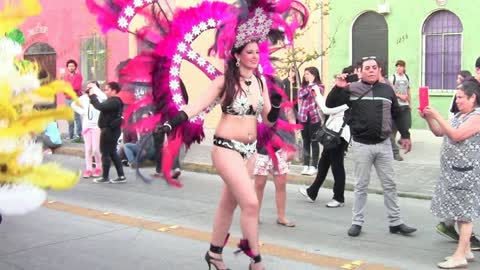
{"type": "Point", "coordinates": [405, 22]}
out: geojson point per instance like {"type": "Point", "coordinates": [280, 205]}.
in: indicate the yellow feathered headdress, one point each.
{"type": "Point", "coordinates": [23, 177]}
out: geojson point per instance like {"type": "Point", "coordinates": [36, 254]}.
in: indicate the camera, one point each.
{"type": "Point", "coordinates": [351, 78]}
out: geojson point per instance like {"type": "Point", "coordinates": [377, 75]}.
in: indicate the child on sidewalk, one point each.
{"type": "Point", "coordinates": [90, 129]}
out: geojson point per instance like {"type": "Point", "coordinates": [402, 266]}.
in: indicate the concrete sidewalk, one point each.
{"type": "Point", "coordinates": [415, 176]}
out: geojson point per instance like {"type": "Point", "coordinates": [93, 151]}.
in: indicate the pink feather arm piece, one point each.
{"type": "Point", "coordinates": [170, 151]}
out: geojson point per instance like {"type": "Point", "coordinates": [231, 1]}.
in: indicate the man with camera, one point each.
{"type": "Point", "coordinates": [373, 108]}
{"type": "Point", "coordinates": [109, 121]}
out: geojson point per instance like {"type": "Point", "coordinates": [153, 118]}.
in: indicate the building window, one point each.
{"type": "Point", "coordinates": [370, 38]}
{"type": "Point", "coordinates": [442, 36]}
{"type": "Point", "coordinates": [45, 56]}
{"type": "Point", "coordinates": [93, 59]}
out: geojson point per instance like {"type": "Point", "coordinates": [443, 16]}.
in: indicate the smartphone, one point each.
{"type": "Point", "coordinates": [351, 78]}
{"type": "Point", "coordinates": [423, 97]}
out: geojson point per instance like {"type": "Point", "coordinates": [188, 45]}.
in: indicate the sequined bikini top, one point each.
{"type": "Point", "coordinates": [241, 107]}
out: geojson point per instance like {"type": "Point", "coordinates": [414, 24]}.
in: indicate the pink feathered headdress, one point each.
{"type": "Point", "coordinates": [170, 35]}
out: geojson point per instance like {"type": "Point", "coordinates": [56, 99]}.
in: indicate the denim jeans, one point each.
{"type": "Point", "coordinates": [77, 122]}
{"type": "Point", "coordinates": [380, 157]}
{"type": "Point", "coordinates": [407, 118]}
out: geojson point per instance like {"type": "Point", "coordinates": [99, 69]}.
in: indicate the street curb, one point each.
{"type": "Point", "coordinates": [303, 180]}
{"type": "Point", "coordinates": [70, 151]}
{"type": "Point", "coordinates": [291, 178]}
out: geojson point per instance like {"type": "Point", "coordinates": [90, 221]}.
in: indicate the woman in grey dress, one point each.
{"type": "Point", "coordinates": [457, 194]}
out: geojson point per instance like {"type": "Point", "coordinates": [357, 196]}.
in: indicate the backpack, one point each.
{"type": "Point", "coordinates": [395, 78]}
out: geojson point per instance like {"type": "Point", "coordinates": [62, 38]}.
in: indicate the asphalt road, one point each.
{"type": "Point", "coordinates": [155, 226]}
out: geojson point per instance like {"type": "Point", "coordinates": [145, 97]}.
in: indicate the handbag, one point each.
{"type": "Point", "coordinates": [331, 139]}
{"type": "Point", "coordinates": [328, 138]}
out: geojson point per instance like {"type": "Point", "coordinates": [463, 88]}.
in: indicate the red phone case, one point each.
{"type": "Point", "coordinates": [423, 97]}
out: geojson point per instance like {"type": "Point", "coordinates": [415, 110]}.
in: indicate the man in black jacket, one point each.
{"type": "Point", "coordinates": [373, 108]}
{"type": "Point", "coordinates": [109, 121]}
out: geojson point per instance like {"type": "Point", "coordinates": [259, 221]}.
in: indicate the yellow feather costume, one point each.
{"type": "Point", "coordinates": [21, 168]}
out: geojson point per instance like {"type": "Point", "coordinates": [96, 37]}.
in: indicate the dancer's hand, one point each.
{"type": "Point", "coordinates": [276, 100]}
{"type": "Point", "coordinates": [163, 129]}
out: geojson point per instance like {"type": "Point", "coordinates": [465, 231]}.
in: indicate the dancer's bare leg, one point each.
{"type": "Point", "coordinates": [281, 196]}
{"type": "Point", "coordinates": [236, 173]}
{"type": "Point", "coordinates": [260, 183]}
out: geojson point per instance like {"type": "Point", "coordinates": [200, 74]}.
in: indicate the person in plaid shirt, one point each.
{"type": "Point", "coordinates": [309, 116]}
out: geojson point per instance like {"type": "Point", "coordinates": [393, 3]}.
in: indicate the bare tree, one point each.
{"type": "Point", "coordinates": [297, 56]}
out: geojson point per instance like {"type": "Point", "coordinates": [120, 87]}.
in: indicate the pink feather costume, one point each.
{"type": "Point", "coordinates": [170, 38]}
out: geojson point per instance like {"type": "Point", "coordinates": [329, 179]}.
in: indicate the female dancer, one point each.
{"type": "Point", "coordinates": [244, 96]}
{"type": "Point", "coordinates": [241, 35]}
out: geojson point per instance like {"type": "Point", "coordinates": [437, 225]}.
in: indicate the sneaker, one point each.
{"type": "Point", "coordinates": [474, 243]}
{"type": "Point", "coordinates": [100, 180]}
{"type": "Point", "coordinates": [312, 171]}
{"type": "Point", "coordinates": [157, 175]}
{"type": "Point", "coordinates": [120, 180]}
{"type": "Point", "coordinates": [397, 157]}
{"type": "Point", "coordinates": [303, 191]}
{"type": "Point", "coordinates": [304, 171]}
{"type": "Point", "coordinates": [125, 162]}
{"type": "Point", "coordinates": [447, 231]}
{"type": "Point", "coordinates": [334, 204]}
{"type": "Point", "coordinates": [176, 173]}
{"type": "Point", "coordinates": [77, 140]}
{"type": "Point", "coordinates": [87, 174]}
{"type": "Point", "coordinates": [97, 173]}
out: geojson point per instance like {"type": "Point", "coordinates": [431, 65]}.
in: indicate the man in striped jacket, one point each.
{"type": "Point", "coordinates": [373, 108]}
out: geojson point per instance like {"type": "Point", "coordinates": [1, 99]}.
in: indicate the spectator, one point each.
{"type": "Point", "coordinates": [401, 85]}
{"type": "Point", "coordinates": [109, 121]}
{"type": "Point", "coordinates": [370, 121]}
{"type": "Point", "coordinates": [91, 131]}
{"type": "Point", "coordinates": [50, 138]}
{"type": "Point", "coordinates": [128, 136]}
{"type": "Point", "coordinates": [310, 118]}
{"type": "Point", "coordinates": [75, 79]}
{"type": "Point", "coordinates": [457, 193]}
{"type": "Point", "coordinates": [334, 109]}
{"type": "Point", "coordinates": [477, 69]}
{"type": "Point", "coordinates": [461, 76]}
{"type": "Point", "coordinates": [132, 149]}
{"type": "Point", "coordinates": [290, 85]}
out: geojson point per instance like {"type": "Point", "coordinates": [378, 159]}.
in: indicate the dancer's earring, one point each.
{"type": "Point", "coordinates": [238, 63]}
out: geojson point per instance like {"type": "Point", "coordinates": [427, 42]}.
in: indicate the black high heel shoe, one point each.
{"type": "Point", "coordinates": [244, 247]}
{"type": "Point", "coordinates": [255, 260]}
{"type": "Point", "coordinates": [216, 250]}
